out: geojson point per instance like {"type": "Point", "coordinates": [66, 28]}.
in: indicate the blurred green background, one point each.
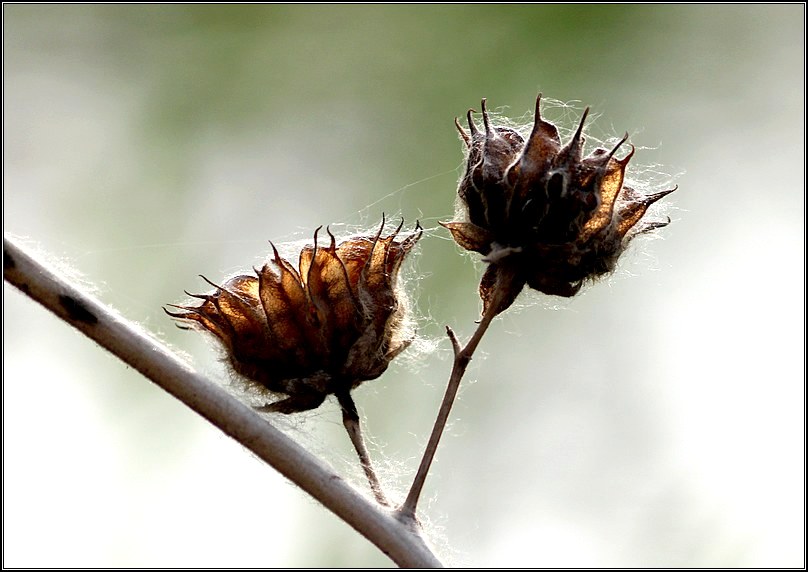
{"type": "Point", "coordinates": [655, 420]}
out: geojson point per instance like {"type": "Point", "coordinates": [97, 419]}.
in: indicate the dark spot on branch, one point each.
{"type": "Point", "coordinates": [76, 310]}
{"type": "Point", "coordinates": [8, 261]}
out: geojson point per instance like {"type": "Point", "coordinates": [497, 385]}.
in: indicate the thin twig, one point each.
{"type": "Point", "coordinates": [350, 419]}
{"type": "Point", "coordinates": [400, 541]}
{"type": "Point", "coordinates": [462, 357]}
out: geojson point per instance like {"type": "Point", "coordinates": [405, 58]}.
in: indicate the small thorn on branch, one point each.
{"type": "Point", "coordinates": [455, 343]}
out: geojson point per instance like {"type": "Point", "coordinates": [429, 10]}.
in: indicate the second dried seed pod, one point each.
{"type": "Point", "coordinates": [541, 213]}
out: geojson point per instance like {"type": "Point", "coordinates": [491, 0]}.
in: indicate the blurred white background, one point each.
{"type": "Point", "coordinates": [658, 419]}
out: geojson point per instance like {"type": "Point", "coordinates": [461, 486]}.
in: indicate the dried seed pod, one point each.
{"type": "Point", "coordinates": [319, 329]}
{"type": "Point", "coordinates": [541, 213]}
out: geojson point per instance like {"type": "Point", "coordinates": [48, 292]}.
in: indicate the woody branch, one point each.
{"type": "Point", "coordinates": [135, 347]}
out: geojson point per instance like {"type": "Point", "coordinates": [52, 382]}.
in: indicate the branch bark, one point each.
{"type": "Point", "coordinates": [399, 539]}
